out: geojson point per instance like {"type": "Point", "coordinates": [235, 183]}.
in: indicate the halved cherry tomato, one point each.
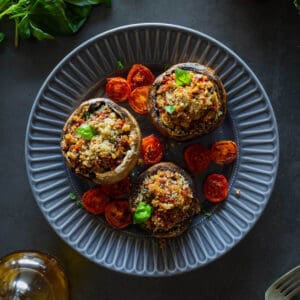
{"type": "Point", "coordinates": [94, 200]}
{"type": "Point", "coordinates": [224, 152]}
{"type": "Point", "coordinates": [118, 215]}
{"type": "Point", "coordinates": [138, 99]}
{"type": "Point", "coordinates": [215, 188]}
{"type": "Point", "coordinates": [139, 75]}
{"type": "Point", "coordinates": [117, 88]}
{"type": "Point", "coordinates": [197, 158]}
{"type": "Point", "coordinates": [118, 190]}
{"type": "Point", "coordinates": [152, 149]}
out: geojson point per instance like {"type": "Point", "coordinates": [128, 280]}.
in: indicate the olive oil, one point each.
{"type": "Point", "coordinates": [32, 275]}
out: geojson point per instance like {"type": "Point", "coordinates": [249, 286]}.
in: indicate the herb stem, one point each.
{"type": "Point", "coordinates": [16, 33]}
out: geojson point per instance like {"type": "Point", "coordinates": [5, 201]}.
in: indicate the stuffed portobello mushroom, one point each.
{"type": "Point", "coordinates": [101, 141]}
{"type": "Point", "coordinates": [164, 200]}
{"type": "Point", "coordinates": [186, 101]}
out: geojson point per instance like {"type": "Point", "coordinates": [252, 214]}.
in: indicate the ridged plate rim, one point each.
{"type": "Point", "coordinates": [208, 258]}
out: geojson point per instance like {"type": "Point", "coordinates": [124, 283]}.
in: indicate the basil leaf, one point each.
{"type": "Point", "coordinates": [297, 4]}
{"type": "Point", "coordinates": [2, 36]}
{"type": "Point", "coordinates": [182, 77]}
{"type": "Point", "coordinates": [58, 17]}
{"type": "Point", "coordinates": [24, 29]}
{"type": "Point", "coordinates": [86, 131]}
{"type": "Point", "coordinates": [79, 204]}
{"type": "Point", "coordinates": [120, 64]}
{"type": "Point", "coordinates": [86, 2]}
{"type": "Point", "coordinates": [72, 196]}
{"type": "Point", "coordinates": [39, 34]}
{"type": "Point", "coordinates": [207, 214]}
{"type": "Point", "coordinates": [169, 108]}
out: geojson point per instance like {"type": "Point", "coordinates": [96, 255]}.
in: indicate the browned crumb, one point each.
{"type": "Point", "coordinates": [162, 243]}
{"type": "Point", "coordinates": [238, 192]}
{"type": "Point", "coordinates": [140, 162]}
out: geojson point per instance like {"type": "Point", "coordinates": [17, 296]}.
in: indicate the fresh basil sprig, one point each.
{"type": "Point", "coordinates": [120, 64]}
{"type": "Point", "coordinates": [86, 131]}
{"type": "Point", "coordinates": [142, 213]}
{"type": "Point", "coordinates": [43, 19]}
{"type": "Point", "coordinates": [169, 108]}
{"type": "Point", "coordinates": [182, 77]}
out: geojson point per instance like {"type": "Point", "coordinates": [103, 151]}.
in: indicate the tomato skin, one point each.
{"type": "Point", "coordinates": [197, 158]}
{"type": "Point", "coordinates": [118, 215]}
{"type": "Point", "coordinates": [215, 188]}
{"type": "Point", "coordinates": [117, 88]}
{"type": "Point", "coordinates": [138, 99]}
{"type": "Point", "coordinates": [118, 190]}
{"type": "Point", "coordinates": [139, 75]}
{"type": "Point", "coordinates": [224, 152]}
{"type": "Point", "coordinates": [94, 200]}
{"type": "Point", "coordinates": [152, 150]}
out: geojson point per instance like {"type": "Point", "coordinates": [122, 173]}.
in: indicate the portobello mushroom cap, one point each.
{"type": "Point", "coordinates": [112, 152]}
{"type": "Point", "coordinates": [171, 213]}
{"type": "Point", "coordinates": [198, 108]}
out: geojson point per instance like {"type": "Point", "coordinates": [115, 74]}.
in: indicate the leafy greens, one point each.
{"type": "Point", "coordinates": [297, 4]}
{"type": "Point", "coordinates": [44, 19]}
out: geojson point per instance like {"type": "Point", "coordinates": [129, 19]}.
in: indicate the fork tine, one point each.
{"type": "Point", "coordinates": [289, 283]}
{"type": "Point", "coordinates": [292, 287]}
{"type": "Point", "coordinates": [285, 276]}
{"type": "Point", "coordinates": [293, 293]}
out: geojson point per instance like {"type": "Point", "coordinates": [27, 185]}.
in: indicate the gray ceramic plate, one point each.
{"type": "Point", "coordinates": [250, 121]}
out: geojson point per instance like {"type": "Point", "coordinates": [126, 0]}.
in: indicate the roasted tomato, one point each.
{"type": "Point", "coordinates": [215, 188]}
{"type": "Point", "coordinates": [118, 215]}
{"type": "Point", "coordinates": [139, 75]}
{"type": "Point", "coordinates": [118, 190]}
{"type": "Point", "coordinates": [224, 152]}
{"type": "Point", "coordinates": [197, 158]}
{"type": "Point", "coordinates": [94, 200]}
{"type": "Point", "coordinates": [138, 99]}
{"type": "Point", "coordinates": [152, 150]}
{"type": "Point", "coordinates": [117, 88]}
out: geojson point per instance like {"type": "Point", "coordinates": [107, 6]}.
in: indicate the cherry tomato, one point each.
{"type": "Point", "coordinates": [117, 88]}
{"type": "Point", "coordinates": [138, 99]}
{"type": "Point", "coordinates": [139, 75]}
{"type": "Point", "coordinates": [224, 152]}
{"type": "Point", "coordinates": [118, 215]}
{"type": "Point", "coordinates": [94, 200]}
{"type": "Point", "coordinates": [215, 188]}
{"type": "Point", "coordinates": [196, 157]}
{"type": "Point", "coordinates": [118, 190]}
{"type": "Point", "coordinates": [152, 150]}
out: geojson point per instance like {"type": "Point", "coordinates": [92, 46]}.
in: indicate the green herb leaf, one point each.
{"type": "Point", "coordinates": [169, 108]}
{"type": "Point", "coordinates": [182, 77]}
{"type": "Point", "coordinates": [86, 131]}
{"type": "Point", "coordinates": [2, 36]}
{"type": "Point", "coordinates": [24, 29]}
{"type": "Point", "coordinates": [297, 4]}
{"type": "Point", "coordinates": [107, 3]}
{"type": "Point", "coordinates": [39, 34]}
{"type": "Point", "coordinates": [79, 204]}
{"type": "Point", "coordinates": [87, 114]}
{"type": "Point", "coordinates": [142, 213]}
{"type": "Point", "coordinates": [57, 17]}
{"type": "Point", "coordinates": [87, 2]}
{"type": "Point", "coordinates": [120, 64]}
{"type": "Point", "coordinates": [72, 196]}
{"type": "Point", "coordinates": [207, 213]}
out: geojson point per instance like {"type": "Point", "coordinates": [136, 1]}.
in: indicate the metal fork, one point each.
{"type": "Point", "coordinates": [286, 287]}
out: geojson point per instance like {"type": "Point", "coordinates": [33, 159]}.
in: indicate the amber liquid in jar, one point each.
{"type": "Point", "coordinates": [31, 275]}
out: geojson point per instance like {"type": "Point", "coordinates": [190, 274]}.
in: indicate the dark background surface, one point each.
{"type": "Point", "coordinates": [266, 34]}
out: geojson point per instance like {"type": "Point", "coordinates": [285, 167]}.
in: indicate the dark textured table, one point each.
{"type": "Point", "coordinates": [266, 34]}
